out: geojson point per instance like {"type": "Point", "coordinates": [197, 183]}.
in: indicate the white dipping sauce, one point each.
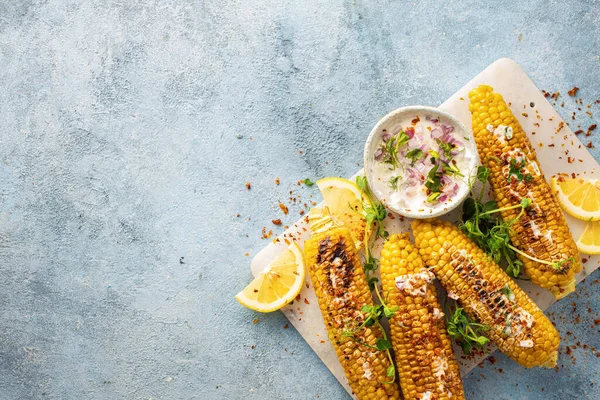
{"type": "Point", "coordinates": [400, 169]}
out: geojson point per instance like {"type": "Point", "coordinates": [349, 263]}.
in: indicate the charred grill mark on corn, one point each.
{"type": "Point", "coordinates": [488, 295]}
{"type": "Point", "coordinates": [341, 288]}
{"type": "Point", "coordinates": [424, 355]}
{"type": "Point", "coordinates": [515, 174]}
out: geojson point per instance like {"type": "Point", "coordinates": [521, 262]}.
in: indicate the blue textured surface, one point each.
{"type": "Point", "coordinates": [129, 130]}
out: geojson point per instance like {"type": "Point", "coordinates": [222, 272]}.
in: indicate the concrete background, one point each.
{"type": "Point", "coordinates": [129, 129]}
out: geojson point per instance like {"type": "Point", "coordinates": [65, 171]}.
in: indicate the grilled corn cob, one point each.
{"type": "Point", "coordinates": [342, 290]}
{"type": "Point", "coordinates": [424, 356]}
{"type": "Point", "coordinates": [542, 232]}
{"type": "Point", "coordinates": [517, 326]}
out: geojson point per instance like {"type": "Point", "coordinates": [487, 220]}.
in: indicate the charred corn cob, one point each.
{"type": "Point", "coordinates": [517, 325]}
{"type": "Point", "coordinates": [542, 232]}
{"type": "Point", "coordinates": [342, 290]}
{"type": "Point", "coordinates": [426, 364]}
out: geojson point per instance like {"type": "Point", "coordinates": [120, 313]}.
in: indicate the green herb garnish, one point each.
{"type": "Point", "coordinates": [390, 149]}
{"type": "Point", "coordinates": [446, 147]}
{"type": "Point", "coordinates": [465, 331]}
{"type": "Point", "coordinates": [414, 155]}
{"type": "Point", "coordinates": [375, 213]}
{"type": "Point", "coordinates": [515, 169]}
{"type": "Point", "coordinates": [394, 182]}
{"type": "Point", "coordinates": [308, 182]}
{"type": "Point", "coordinates": [507, 291]}
{"type": "Point", "coordinates": [484, 226]}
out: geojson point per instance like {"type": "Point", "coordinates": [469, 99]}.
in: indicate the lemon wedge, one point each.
{"type": "Point", "coordinates": [577, 196]}
{"type": "Point", "coordinates": [589, 242]}
{"type": "Point", "coordinates": [345, 203]}
{"type": "Point", "coordinates": [278, 284]}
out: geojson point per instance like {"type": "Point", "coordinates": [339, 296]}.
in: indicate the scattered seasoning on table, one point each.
{"type": "Point", "coordinates": [284, 208]}
{"type": "Point", "coordinates": [276, 221]}
{"type": "Point", "coordinates": [248, 185]}
{"type": "Point", "coordinates": [255, 321]}
{"type": "Point", "coordinates": [573, 91]}
{"type": "Point", "coordinates": [277, 181]}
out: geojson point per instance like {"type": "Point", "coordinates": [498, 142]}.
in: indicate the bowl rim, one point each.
{"type": "Point", "coordinates": [419, 109]}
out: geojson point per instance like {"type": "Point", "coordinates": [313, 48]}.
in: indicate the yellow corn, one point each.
{"type": "Point", "coordinates": [542, 231]}
{"type": "Point", "coordinates": [342, 290]}
{"type": "Point", "coordinates": [517, 325]}
{"type": "Point", "coordinates": [426, 363]}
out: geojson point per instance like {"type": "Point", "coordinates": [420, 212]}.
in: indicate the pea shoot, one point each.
{"type": "Point", "coordinates": [375, 213]}
{"type": "Point", "coordinates": [468, 333]}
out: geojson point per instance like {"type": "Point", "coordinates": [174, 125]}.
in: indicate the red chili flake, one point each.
{"type": "Point", "coordinates": [255, 321]}
{"type": "Point", "coordinates": [417, 119]}
{"type": "Point", "coordinates": [525, 115]}
{"type": "Point", "coordinates": [306, 301]}
{"type": "Point", "coordinates": [551, 145]}
{"type": "Point", "coordinates": [589, 145]}
{"type": "Point", "coordinates": [584, 260]}
{"type": "Point", "coordinates": [555, 95]}
{"type": "Point", "coordinates": [561, 125]}
{"type": "Point", "coordinates": [546, 94]}
{"type": "Point", "coordinates": [276, 221]}
{"type": "Point", "coordinates": [284, 208]}
{"type": "Point", "coordinates": [248, 185]}
{"type": "Point", "coordinates": [252, 347]}
{"type": "Point", "coordinates": [492, 360]}
{"type": "Point", "coordinates": [578, 132]}
{"type": "Point", "coordinates": [573, 91]}
{"type": "Point", "coordinates": [597, 321]}
{"type": "Point", "coordinates": [298, 299]}
{"type": "Point", "coordinates": [592, 127]}
{"type": "Point", "coordinates": [590, 114]}
{"type": "Point", "coordinates": [300, 152]}
{"type": "Point", "coordinates": [277, 181]}
{"type": "Point", "coordinates": [238, 215]}
{"type": "Point", "coordinates": [286, 326]}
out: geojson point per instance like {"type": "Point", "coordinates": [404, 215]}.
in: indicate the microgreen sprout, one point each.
{"type": "Point", "coordinates": [375, 213]}
{"type": "Point", "coordinates": [467, 332]}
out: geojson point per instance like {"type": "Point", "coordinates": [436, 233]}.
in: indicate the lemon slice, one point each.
{"type": "Point", "coordinates": [579, 197]}
{"type": "Point", "coordinates": [278, 284]}
{"type": "Point", "coordinates": [589, 242]}
{"type": "Point", "coordinates": [344, 200]}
